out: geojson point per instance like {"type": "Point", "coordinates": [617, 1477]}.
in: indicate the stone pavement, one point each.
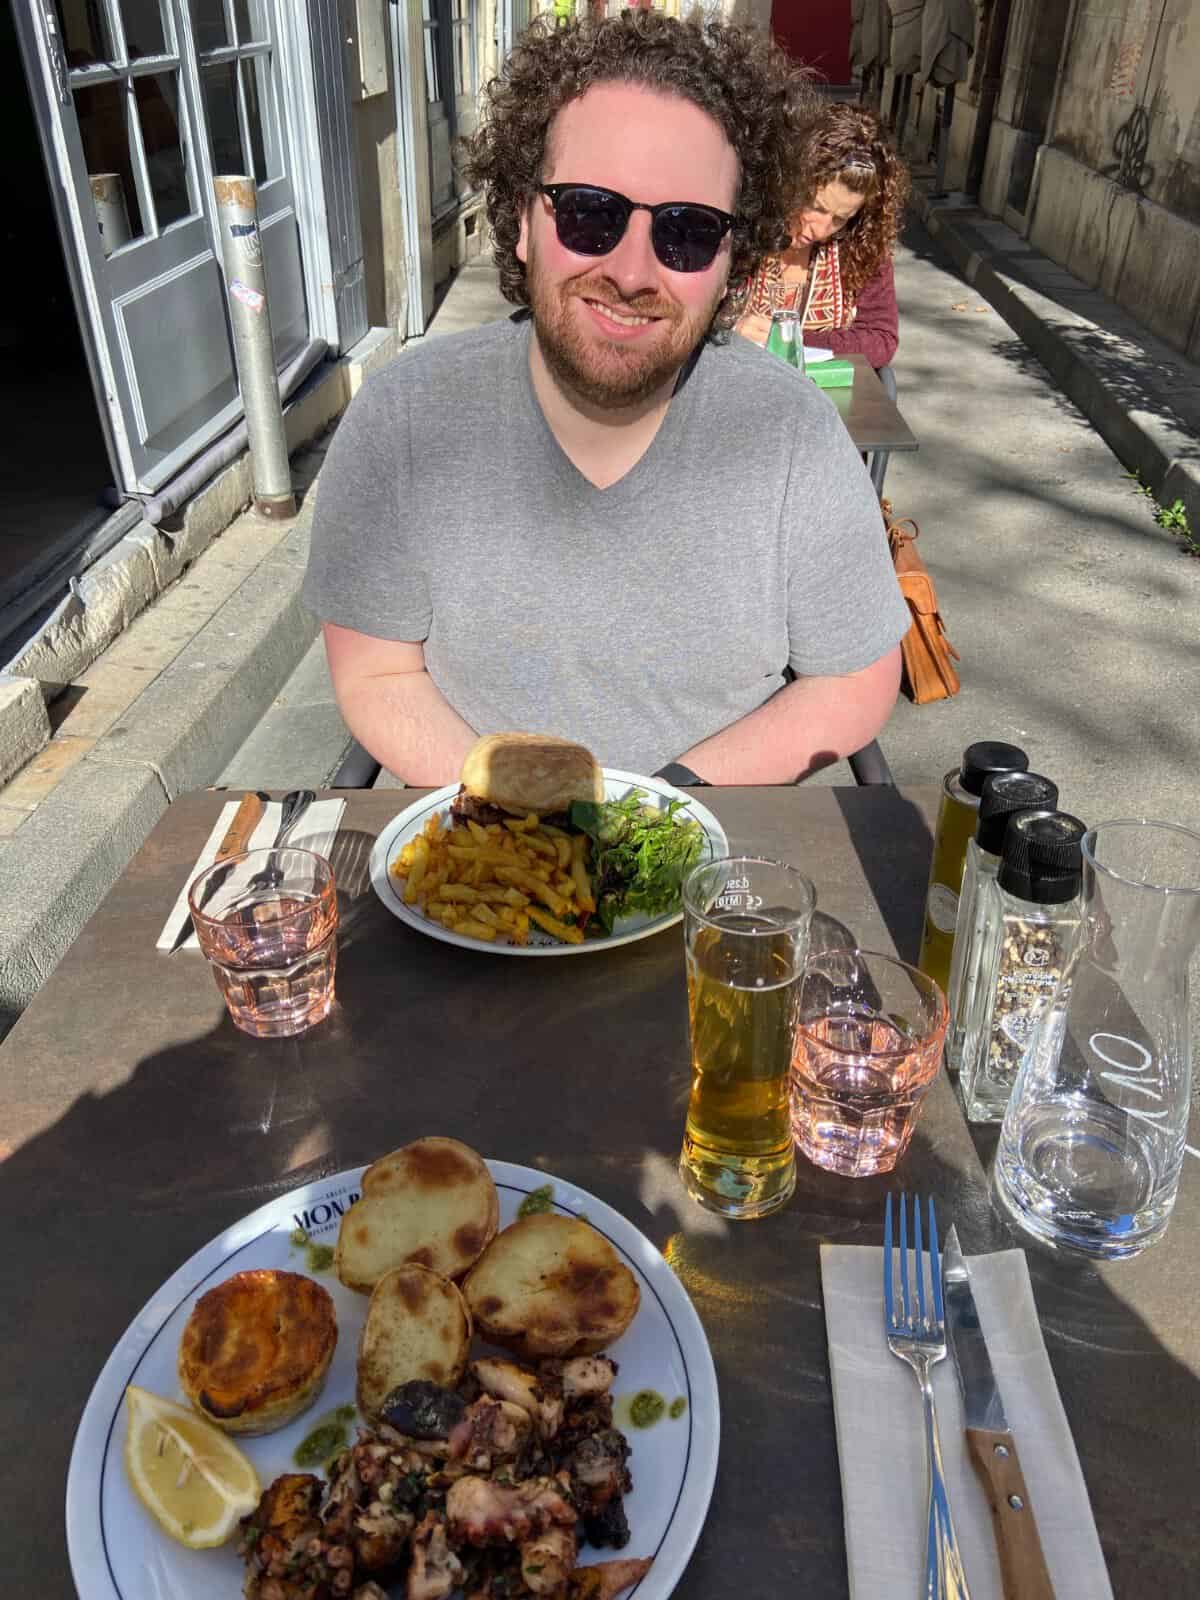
{"type": "Point", "coordinates": [1074, 614]}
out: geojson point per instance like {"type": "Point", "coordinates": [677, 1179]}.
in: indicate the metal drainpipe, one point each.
{"type": "Point", "coordinates": [246, 283]}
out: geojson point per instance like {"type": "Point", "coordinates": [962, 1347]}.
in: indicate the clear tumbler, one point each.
{"type": "Point", "coordinates": [267, 921]}
{"type": "Point", "coordinates": [869, 1036]}
{"type": "Point", "coordinates": [1095, 1133]}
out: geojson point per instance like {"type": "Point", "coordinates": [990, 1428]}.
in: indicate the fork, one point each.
{"type": "Point", "coordinates": [918, 1336]}
{"type": "Point", "coordinates": [295, 804]}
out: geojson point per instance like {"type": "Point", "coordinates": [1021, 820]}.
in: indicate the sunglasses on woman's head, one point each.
{"type": "Point", "coordinates": [592, 222]}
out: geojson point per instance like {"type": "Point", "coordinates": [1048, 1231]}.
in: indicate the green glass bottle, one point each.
{"type": "Point", "coordinates": [956, 821]}
{"type": "Point", "coordinates": [786, 339]}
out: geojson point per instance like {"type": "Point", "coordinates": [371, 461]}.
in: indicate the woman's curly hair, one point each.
{"type": "Point", "coordinates": [750, 88]}
{"type": "Point", "coordinates": [846, 144]}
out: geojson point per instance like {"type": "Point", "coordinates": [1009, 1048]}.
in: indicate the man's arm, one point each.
{"type": "Point", "coordinates": [807, 725]}
{"type": "Point", "coordinates": [393, 707]}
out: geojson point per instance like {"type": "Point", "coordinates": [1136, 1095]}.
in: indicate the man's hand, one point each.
{"type": "Point", "coordinates": [393, 707]}
{"type": "Point", "coordinates": [809, 724]}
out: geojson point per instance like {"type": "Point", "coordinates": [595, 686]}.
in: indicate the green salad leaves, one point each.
{"type": "Point", "coordinates": [640, 855]}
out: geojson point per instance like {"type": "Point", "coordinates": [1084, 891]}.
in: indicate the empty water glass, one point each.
{"type": "Point", "coordinates": [1094, 1136]}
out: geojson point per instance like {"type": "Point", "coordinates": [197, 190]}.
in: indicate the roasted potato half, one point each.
{"type": "Point", "coordinates": [418, 1326]}
{"type": "Point", "coordinates": [432, 1202]}
{"type": "Point", "coordinates": [551, 1286]}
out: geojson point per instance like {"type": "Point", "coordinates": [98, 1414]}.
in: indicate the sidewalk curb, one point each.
{"type": "Point", "coordinates": [1164, 453]}
{"type": "Point", "coordinates": [178, 734]}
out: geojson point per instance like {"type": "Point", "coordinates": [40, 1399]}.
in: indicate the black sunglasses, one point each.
{"type": "Point", "coordinates": [592, 221]}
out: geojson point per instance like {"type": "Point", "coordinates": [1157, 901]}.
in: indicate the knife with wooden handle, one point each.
{"type": "Point", "coordinates": [233, 842]}
{"type": "Point", "coordinates": [990, 1442]}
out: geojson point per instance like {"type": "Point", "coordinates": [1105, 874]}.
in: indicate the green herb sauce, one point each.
{"type": "Point", "coordinates": [677, 1408]}
{"type": "Point", "coordinates": [538, 1201]}
{"type": "Point", "coordinates": [326, 1439]}
{"type": "Point", "coordinates": [320, 1257]}
{"type": "Point", "coordinates": [646, 1408]}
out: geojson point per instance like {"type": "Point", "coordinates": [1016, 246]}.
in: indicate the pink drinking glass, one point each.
{"type": "Point", "coordinates": [869, 1035]}
{"type": "Point", "coordinates": [267, 921]}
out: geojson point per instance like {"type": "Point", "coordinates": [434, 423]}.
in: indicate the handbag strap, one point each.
{"type": "Point", "coordinates": [898, 533]}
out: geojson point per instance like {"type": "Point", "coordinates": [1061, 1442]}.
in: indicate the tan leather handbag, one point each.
{"type": "Point", "coordinates": [928, 655]}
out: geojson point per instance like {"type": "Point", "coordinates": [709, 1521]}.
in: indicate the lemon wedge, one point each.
{"type": "Point", "coordinates": [191, 1478]}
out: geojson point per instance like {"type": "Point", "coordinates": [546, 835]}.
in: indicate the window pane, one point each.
{"type": "Point", "coordinates": [84, 32]}
{"type": "Point", "coordinates": [464, 77]}
{"type": "Point", "coordinates": [145, 31]}
{"type": "Point", "coordinates": [433, 78]}
{"type": "Point", "coordinates": [462, 60]}
{"type": "Point", "coordinates": [100, 109]}
{"type": "Point", "coordinates": [208, 24]}
{"type": "Point", "coordinates": [220, 100]}
{"type": "Point", "coordinates": [162, 139]}
{"type": "Point", "coordinates": [256, 80]}
{"type": "Point", "coordinates": [251, 19]}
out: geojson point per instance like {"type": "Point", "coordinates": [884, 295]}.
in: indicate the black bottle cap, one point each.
{"type": "Point", "coordinates": [1003, 794]}
{"type": "Point", "coordinates": [1042, 860]}
{"type": "Point", "coordinates": [981, 760]}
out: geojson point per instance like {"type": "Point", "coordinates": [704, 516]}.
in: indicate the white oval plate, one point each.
{"type": "Point", "coordinates": [118, 1552]}
{"type": "Point", "coordinates": [616, 784]}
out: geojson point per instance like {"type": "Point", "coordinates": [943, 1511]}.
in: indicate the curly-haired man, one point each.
{"type": "Point", "coordinates": [604, 518]}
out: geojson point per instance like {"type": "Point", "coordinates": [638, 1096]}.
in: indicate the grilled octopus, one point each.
{"type": "Point", "coordinates": [484, 1490]}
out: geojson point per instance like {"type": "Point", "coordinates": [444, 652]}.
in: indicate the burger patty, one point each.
{"type": "Point", "coordinates": [468, 807]}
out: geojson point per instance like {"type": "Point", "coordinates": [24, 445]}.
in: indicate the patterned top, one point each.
{"type": "Point", "coordinates": [825, 305]}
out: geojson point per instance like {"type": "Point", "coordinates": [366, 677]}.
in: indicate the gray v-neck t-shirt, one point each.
{"type": "Point", "coordinates": [637, 619]}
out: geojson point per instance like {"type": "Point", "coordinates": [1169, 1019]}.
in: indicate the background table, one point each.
{"type": "Point", "coordinates": [872, 420]}
{"type": "Point", "coordinates": [140, 1123]}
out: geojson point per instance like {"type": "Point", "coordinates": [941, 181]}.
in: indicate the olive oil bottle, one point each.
{"type": "Point", "coordinates": [957, 816]}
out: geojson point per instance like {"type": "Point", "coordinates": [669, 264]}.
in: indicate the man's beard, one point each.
{"type": "Point", "coordinates": [612, 376]}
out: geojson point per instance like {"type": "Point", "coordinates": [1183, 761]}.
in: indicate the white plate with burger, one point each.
{"type": "Point", "coordinates": [117, 1549]}
{"type": "Point", "coordinates": [625, 844]}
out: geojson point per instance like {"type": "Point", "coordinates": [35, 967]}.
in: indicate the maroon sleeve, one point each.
{"type": "Point", "coordinates": [875, 331]}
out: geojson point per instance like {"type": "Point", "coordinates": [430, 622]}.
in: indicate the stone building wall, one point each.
{"type": "Point", "coordinates": [1093, 147]}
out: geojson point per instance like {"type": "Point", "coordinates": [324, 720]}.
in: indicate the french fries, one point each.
{"type": "Point", "coordinates": [492, 881]}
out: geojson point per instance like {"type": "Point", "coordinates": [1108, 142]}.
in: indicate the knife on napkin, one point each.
{"type": "Point", "coordinates": [237, 835]}
{"type": "Point", "coordinates": [990, 1442]}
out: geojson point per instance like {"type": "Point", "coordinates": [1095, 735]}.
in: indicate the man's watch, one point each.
{"type": "Point", "coordinates": [682, 777]}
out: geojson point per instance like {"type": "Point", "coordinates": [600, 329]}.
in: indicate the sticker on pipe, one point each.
{"type": "Point", "coordinates": [248, 296]}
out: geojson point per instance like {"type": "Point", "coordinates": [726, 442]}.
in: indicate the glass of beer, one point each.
{"type": "Point", "coordinates": [267, 921]}
{"type": "Point", "coordinates": [746, 923]}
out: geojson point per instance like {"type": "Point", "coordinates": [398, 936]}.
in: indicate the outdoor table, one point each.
{"type": "Point", "coordinates": [139, 1124]}
{"type": "Point", "coordinates": [872, 418]}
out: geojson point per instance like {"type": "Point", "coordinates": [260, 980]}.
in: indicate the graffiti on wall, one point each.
{"type": "Point", "coordinates": [1129, 52]}
{"type": "Point", "coordinates": [1130, 146]}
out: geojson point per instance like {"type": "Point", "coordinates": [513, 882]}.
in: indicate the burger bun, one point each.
{"type": "Point", "coordinates": [523, 772]}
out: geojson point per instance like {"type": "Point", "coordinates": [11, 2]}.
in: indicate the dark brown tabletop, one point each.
{"type": "Point", "coordinates": [138, 1123]}
{"type": "Point", "coordinates": [872, 419]}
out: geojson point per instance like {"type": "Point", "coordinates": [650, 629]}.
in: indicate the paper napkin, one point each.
{"type": "Point", "coordinates": [316, 830]}
{"type": "Point", "coordinates": [881, 1444]}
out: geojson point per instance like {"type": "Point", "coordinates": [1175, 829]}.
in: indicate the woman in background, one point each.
{"type": "Point", "coordinates": [838, 268]}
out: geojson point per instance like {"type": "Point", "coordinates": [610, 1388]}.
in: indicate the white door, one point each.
{"type": "Point", "coordinates": [146, 100]}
